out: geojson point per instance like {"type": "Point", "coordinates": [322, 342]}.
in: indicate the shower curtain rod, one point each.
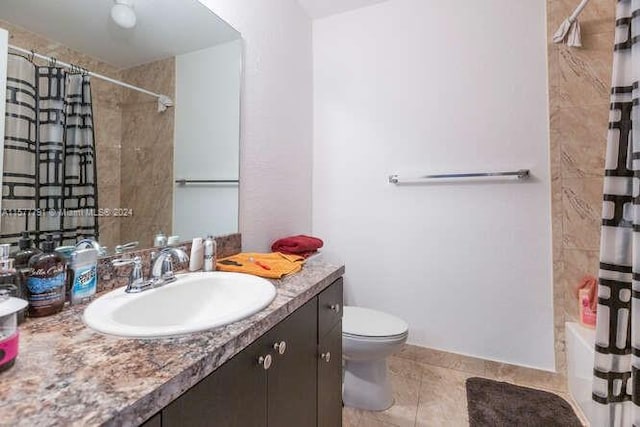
{"type": "Point", "coordinates": [163, 100]}
{"type": "Point", "coordinates": [578, 10]}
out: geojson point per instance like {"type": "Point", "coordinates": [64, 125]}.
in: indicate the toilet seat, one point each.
{"type": "Point", "coordinates": [361, 323]}
{"type": "Point", "coordinates": [391, 338]}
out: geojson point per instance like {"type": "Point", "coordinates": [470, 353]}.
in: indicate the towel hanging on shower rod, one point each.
{"type": "Point", "coordinates": [569, 30]}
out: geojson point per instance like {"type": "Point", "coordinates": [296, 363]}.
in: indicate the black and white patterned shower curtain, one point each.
{"type": "Point", "coordinates": [49, 180]}
{"type": "Point", "coordinates": [616, 384]}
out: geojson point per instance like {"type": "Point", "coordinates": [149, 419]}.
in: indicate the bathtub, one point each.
{"type": "Point", "coordinates": [580, 354]}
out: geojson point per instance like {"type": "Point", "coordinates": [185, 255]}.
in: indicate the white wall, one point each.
{"type": "Point", "coordinates": [414, 86]}
{"type": "Point", "coordinates": [207, 139]}
{"type": "Point", "coordinates": [276, 120]}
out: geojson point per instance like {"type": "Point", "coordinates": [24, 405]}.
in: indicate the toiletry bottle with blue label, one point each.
{"type": "Point", "coordinates": [46, 281]}
{"type": "Point", "coordinates": [83, 266]}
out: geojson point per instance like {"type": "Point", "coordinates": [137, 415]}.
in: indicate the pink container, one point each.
{"type": "Point", "coordinates": [9, 333]}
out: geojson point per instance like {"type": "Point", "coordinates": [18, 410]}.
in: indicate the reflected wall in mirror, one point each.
{"type": "Point", "coordinates": [87, 157]}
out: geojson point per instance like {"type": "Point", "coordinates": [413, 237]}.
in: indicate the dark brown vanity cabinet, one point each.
{"type": "Point", "coordinates": [291, 376]}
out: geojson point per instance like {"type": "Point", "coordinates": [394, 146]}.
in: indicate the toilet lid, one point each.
{"type": "Point", "coordinates": [366, 322]}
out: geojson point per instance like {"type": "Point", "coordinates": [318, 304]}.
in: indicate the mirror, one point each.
{"type": "Point", "coordinates": [88, 156]}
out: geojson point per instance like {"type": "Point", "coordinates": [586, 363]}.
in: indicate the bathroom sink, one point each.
{"type": "Point", "coordinates": [194, 302]}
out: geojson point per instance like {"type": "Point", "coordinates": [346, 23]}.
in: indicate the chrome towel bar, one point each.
{"type": "Point", "coordinates": [520, 174]}
{"type": "Point", "coordinates": [206, 181]}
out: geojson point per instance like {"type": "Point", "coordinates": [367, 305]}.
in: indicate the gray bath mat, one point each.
{"type": "Point", "coordinates": [498, 404]}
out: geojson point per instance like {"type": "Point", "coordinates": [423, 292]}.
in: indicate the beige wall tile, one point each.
{"type": "Point", "coordinates": [584, 75]}
{"type": "Point", "coordinates": [596, 18]}
{"type": "Point", "coordinates": [582, 134]}
{"type": "Point", "coordinates": [147, 153]}
{"type": "Point", "coordinates": [582, 206]}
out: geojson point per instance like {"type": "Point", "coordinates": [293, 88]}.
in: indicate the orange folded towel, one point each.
{"type": "Point", "coordinates": [272, 266]}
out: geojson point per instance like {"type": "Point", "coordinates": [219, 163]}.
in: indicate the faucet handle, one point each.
{"type": "Point", "coordinates": [126, 246]}
{"type": "Point", "coordinates": [167, 269]}
{"type": "Point", "coordinates": [136, 278]}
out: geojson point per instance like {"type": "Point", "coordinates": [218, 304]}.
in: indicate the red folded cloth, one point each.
{"type": "Point", "coordinates": [297, 245]}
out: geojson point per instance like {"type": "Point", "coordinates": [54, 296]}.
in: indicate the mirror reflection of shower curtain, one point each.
{"type": "Point", "coordinates": [49, 179]}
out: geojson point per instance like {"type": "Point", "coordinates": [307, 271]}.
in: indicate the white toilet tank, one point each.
{"type": "Point", "coordinates": [580, 356]}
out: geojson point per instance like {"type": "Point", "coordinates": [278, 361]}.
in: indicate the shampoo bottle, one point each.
{"type": "Point", "coordinates": [46, 281]}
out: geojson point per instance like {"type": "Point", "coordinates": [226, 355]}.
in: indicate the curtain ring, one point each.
{"type": "Point", "coordinates": [32, 56]}
{"type": "Point", "coordinates": [52, 61]}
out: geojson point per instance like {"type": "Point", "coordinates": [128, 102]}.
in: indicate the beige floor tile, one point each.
{"type": "Point", "coordinates": [526, 377]}
{"type": "Point", "coordinates": [405, 368]}
{"type": "Point", "coordinates": [355, 418]}
{"type": "Point", "coordinates": [403, 411]}
{"type": "Point", "coordinates": [443, 399]}
{"type": "Point", "coordinates": [575, 407]}
{"type": "Point", "coordinates": [427, 356]}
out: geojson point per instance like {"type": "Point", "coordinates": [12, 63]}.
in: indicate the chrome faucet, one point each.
{"type": "Point", "coordinates": [137, 283]}
{"type": "Point", "coordinates": [162, 265]}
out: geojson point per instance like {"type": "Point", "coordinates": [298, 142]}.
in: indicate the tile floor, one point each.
{"type": "Point", "coordinates": [429, 388]}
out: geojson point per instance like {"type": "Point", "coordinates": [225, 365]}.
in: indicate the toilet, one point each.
{"type": "Point", "coordinates": [368, 338]}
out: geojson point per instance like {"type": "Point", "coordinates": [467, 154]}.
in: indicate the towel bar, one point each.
{"type": "Point", "coordinates": [520, 174]}
{"type": "Point", "coordinates": [206, 181]}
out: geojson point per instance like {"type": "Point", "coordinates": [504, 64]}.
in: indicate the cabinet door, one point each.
{"type": "Point", "coordinates": [330, 378]}
{"type": "Point", "coordinates": [235, 395]}
{"type": "Point", "coordinates": [292, 382]}
{"type": "Point", "coordinates": [329, 308]}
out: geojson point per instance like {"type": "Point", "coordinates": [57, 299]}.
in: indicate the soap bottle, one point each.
{"type": "Point", "coordinates": [25, 251]}
{"type": "Point", "coordinates": [46, 281]}
{"type": "Point", "coordinates": [9, 281]}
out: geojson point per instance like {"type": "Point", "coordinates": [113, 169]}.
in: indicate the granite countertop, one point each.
{"type": "Point", "coordinates": [67, 374]}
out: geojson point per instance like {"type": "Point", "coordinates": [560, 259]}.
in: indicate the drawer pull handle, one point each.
{"type": "Point", "coordinates": [265, 361]}
{"type": "Point", "coordinates": [326, 356]}
{"type": "Point", "coordinates": [335, 307]}
{"type": "Point", "coordinates": [280, 347]}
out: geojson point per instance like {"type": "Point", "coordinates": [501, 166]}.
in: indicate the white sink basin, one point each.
{"type": "Point", "coordinates": [195, 302]}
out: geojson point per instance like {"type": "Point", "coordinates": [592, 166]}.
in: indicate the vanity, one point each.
{"type": "Point", "coordinates": [291, 376]}
{"type": "Point", "coordinates": [279, 367]}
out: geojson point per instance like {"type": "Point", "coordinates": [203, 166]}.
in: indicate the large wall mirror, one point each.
{"type": "Point", "coordinates": [122, 120]}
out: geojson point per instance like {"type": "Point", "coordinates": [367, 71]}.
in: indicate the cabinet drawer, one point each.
{"type": "Point", "coordinates": [329, 308]}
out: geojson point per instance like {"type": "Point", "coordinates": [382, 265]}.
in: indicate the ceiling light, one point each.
{"type": "Point", "coordinates": [123, 14]}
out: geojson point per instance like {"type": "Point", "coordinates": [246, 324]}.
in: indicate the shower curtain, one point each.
{"type": "Point", "coordinates": [49, 180]}
{"type": "Point", "coordinates": [616, 384]}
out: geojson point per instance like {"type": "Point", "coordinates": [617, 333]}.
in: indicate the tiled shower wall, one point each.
{"type": "Point", "coordinates": [134, 143]}
{"type": "Point", "coordinates": [579, 83]}
{"type": "Point", "coordinates": [107, 120]}
{"type": "Point", "coordinates": [146, 167]}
